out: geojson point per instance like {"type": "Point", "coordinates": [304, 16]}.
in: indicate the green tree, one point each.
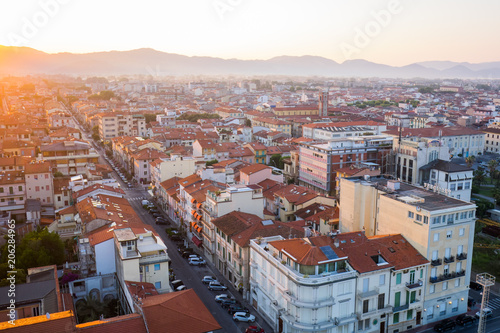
{"type": "Point", "coordinates": [149, 117]}
{"type": "Point", "coordinates": [39, 248]}
{"type": "Point", "coordinates": [248, 123]}
{"type": "Point", "coordinates": [274, 160]}
{"type": "Point", "coordinates": [58, 174]}
{"type": "Point", "coordinates": [212, 162]}
{"type": "Point", "coordinates": [89, 309]}
{"type": "Point", "coordinates": [492, 167]}
{"type": "Point", "coordinates": [95, 133]}
{"type": "Point", "coordinates": [20, 275]}
{"type": "Point", "coordinates": [470, 160]}
{"type": "Point", "coordinates": [104, 95]}
{"type": "Point", "coordinates": [479, 177]}
{"type": "Point", "coordinates": [425, 90]}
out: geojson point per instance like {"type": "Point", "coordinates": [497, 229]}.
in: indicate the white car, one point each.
{"type": "Point", "coordinates": [221, 297]}
{"type": "Point", "coordinates": [197, 262]}
{"type": "Point", "coordinates": [243, 316]}
{"type": "Point", "coordinates": [487, 313]}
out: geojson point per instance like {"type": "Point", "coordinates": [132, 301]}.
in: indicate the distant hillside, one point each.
{"type": "Point", "coordinates": [24, 60]}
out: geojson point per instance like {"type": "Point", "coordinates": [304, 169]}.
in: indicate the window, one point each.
{"type": "Point", "coordinates": [432, 289]}
{"type": "Point", "coordinates": [419, 217]}
{"type": "Point", "coordinates": [445, 285]}
{"type": "Point", "coordinates": [461, 231]}
{"type": "Point", "coordinates": [395, 319]}
{"type": "Point", "coordinates": [436, 237]}
{"type": "Point", "coordinates": [366, 285]}
{"type": "Point", "coordinates": [433, 272]}
{"type": "Point", "coordinates": [412, 277]}
{"type": "Point", "coordinates": [397, 299]}
{"type": "Point", "coordinates": [411, 214]}
{"type": "Point", "coordinates": [381, 301]}
{"type": "Point", "coordinates": [449, 233]}
{"type": "Point", "coordinates": [409, 314]}
{"type": "Point", "coordinates": [157, 267]}
{"type": "Point", "coordinates": [20, 188]}
{"type": "Point", "coordinates": [460, 249]}
{"type": "Point", "coordinates": [460, 186]}
{"type": "Point", "coordinates": [426, 220]}
{"type": "Point", "coordinates": [158, 285]}
{"type": "Point", "coordinates": [457, 282]}
{"type": "Point", "coordinates": [147, 268]}
{"type": "Point", "coordinates": [453, 187]}
{"type": "Point", "coordinates": [1, 189]}
{"type": "Point", "coordinates": [467, 186]}
{"type": "Point", "coordinates": [398, 278]}
{"type": "Point", "coordinates": [381, 280]}
{"type": "Point", "coordinates": [366, 303]}
{"type": "Point", "coordinates": [421, 273]}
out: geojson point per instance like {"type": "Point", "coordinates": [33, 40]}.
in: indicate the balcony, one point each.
{"type": "Point", "coordinates": [462, 256]}
{"type": "Point", "coordinates": [436, 262]}
{"type": "Point", "coordinates": [414, 285]}
{"type": "Point", "coordinates": [369, 293]}
{"type": "Point", "coordinates": [444, 277]}
{"type": "Point", "coordinates": [374, 312]}
{"type": "Point", "coordinates": [461, 273]}
{"type": "Point", "coordinates": [449, 259]}
{"type": "Point", "coordinates": [401, 308]}
{"type": "Point", "coordinates": [157, 258]}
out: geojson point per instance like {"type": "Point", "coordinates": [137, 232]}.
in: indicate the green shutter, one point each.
{"type": "Point", "coordinates": [397, 299]}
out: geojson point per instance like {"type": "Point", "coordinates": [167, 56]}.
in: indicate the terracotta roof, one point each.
{"type": "Point", "coordinates": [37, 167]}
{"type": "Point", "coordinates": [394, 249]}
{"type": "Point", "coordinates": [180, 311]}
{"type": "Point", "coordinates": [97, 187]}
{"type": "Point", "coordinates": [434, 132]}
{"type": "Point", "coordinates": [296, 194]}
{"type": "Point", "coordinates": [58, 322]}
{"type": "Point", "coordinates": [253, 168]}
{"type": "Point", "coordinates": [305, 251]}
{"type": "Point", "coordinates": [127, 323]}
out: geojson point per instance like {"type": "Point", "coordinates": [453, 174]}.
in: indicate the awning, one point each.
{"type": "Point", "coordinates": [193, 212]}
{"type": "Point", "coordinates": [192, 224]}
{"type": "Point", "coordinates": [196, 241]}
{"type": "Point", "coordinates": [193, 200]}
{"type": "Point", "coordinates": [198, 205]}
{"type": "Point", "coordinates": [198, 217]}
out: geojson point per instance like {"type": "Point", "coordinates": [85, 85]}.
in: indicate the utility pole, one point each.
{"type": "Point", "coordinates": [486, 280]}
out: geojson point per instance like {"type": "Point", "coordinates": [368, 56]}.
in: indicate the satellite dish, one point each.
{"type": "Point", "coordinates": [418, 208]}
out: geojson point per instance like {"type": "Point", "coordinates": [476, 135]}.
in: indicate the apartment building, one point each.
{"type": "Point", "coordinates": [113, 124]}
{"type": "Point", "coordinates": [455, 178]}
{"type": "Point", "coordinates": [141, 257]}
{"type": "Point", "coordinates": [303, 285]}
{"type": "Point", "coordinates": [441, 228]}
{"type": "Point", "coordinates": [168, 167]}
{"type": "Point", "coordinates": [459, 140]}
{"type": "Point", "coordinates": [69, 157]}
{"type": "Point", "coordinates": [242, 198]}
{"type": "Point", "coordinates": [140, 162]}
{"type": "Point", "coordinates": [492, 139]}
{"type": "Point", "coordinates": [319, 162]}
{"type": "Point", "coordinates": [13, 194]}
{"type": "Point", "coordinates": [39, 184]}
{"type": "Point", "coordinates": [328, 131]}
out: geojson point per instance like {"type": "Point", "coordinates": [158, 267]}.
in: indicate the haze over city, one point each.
{"type": "Point", "coordinates": [395, 32]}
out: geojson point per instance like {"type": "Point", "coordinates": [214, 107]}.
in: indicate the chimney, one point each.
{"type": "Point", "coordinates": [393, 184]}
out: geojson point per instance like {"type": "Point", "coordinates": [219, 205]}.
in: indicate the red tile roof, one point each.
{"type": "Point", "coordinates": [181, 311]}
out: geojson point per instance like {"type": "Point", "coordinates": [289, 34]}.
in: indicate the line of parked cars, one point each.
{"type": "Point", "coordinates": [117, 170]}
{"type": "Point", "coordinates": [155, 212]}
{"type": "Point", "coordinates": [462, 320]}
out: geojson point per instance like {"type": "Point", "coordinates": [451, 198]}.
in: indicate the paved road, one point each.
{"type": "Point", "coordinates": [190, 275]}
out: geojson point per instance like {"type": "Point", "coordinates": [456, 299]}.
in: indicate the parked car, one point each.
{"type": "Point", "coordinates": [154, 211]}
{"type": "Point", "coordinates": [183, 287]}
{"type": "Point", "coordinates": [188, 252]}
{"type": "Point", "coordinates": [243, 316]}
{"type": "Point", "coordinates": [475, 286]}
{"type": "Point", "coordinates": [486, 311]}
{"type": "Point", "coordinates": [157, 215]}
{"type": "Point", "coordinates": [221, 297]}
{"type": "Point", "coordinates": [231, 309]}
{"type": "Point", "coordinates": [445, 325]}
{"type": "Point", "coordinates": [197, 262]}
{"type": "Point", "coordinates": [176, 238]}
{"type": "Point", "coordinates": [162, 221]}
{"type": "Point", "coordinates": [465, 319]}
{"type": "Point", "coordinates": [228, 302]}
{"type": "Point", "coordinates": [216, 285]}
{"type": "Point", "coordinates": [207, 279]}
{"type": "Point", "coordinates": [194, 256]}
{"type": "Point", "coordinates": [254, 329]}
{"type": "Point", "coordinates": [176, 283]}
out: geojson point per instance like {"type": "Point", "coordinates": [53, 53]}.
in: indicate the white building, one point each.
{"type": "Point", "coordinates": [299, 286]}
{"type": "Point", "coordinates": [166, 168]}
{"type": "Point", "coordinates": [141, 257]}
{"type": "Point", "coordinates": [167, 119]}
{"type": "Point", "coordinates": [113, 124]}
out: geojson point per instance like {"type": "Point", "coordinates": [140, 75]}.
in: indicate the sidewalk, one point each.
{"type": "Point", "coordinates": [430, 327]}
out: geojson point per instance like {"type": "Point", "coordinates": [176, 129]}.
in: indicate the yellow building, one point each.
{"type": "Point", "coordinates": [441, 228]}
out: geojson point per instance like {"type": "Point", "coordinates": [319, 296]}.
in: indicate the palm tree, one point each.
{"type": "Point", "coordinates": [479, 176]}
{"type": "Point", "coordinates": [492, 166]}
{"type": "Point", "coordinates": [89, 309]}
{"type": "Point", "coordinates": [470, 160]}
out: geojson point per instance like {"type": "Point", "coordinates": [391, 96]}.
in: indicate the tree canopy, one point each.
{"type": "Point", "coordinates": [194, 117]}
{"type": "Point", "coordinates": [104, 95]}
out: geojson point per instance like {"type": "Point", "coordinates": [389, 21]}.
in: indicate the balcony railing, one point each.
{"type": "Point", "coordinates": [436, 262]}
{"type": "Point", "coordinates": [462, 256]}
{"type": "Point", "coordinates": [400, 308]}
{"type": "Point", "coordinates": [444, 277]}
{"type": "Point", "coordinates": [449, 259]}
{"type": "Point", "coordinates": [414, 285]}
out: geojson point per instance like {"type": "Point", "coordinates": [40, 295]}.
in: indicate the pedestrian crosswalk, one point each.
{"type": "Point", "coordinates": [135, 198]}
{"type": "Point", "coordinates": [494, 303]}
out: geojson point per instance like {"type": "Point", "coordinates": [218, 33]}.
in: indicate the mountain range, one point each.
{"type": "Point", "coordinates": [24, 60]}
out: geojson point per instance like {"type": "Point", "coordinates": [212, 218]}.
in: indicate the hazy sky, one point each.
{"type": "Point", "coordinates": [395, 32]}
